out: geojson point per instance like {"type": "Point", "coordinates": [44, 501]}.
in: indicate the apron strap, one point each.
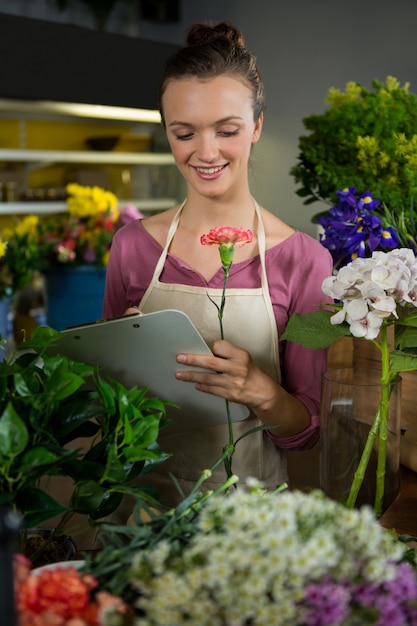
{"type": "Point", "coordinates": [264, 280]}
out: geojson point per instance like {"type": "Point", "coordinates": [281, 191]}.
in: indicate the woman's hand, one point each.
{"type": "Point", "coordinates": [235, 376]}
{"type": "Point", "coordinates": [132, 310]}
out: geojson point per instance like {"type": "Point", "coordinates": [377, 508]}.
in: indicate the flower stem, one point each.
{"type": "Point", "coordinates": [378, 429]}
{"type": "Point", "coordinates": [383, 428]}
{"type": "Point", "coordinates": [230, 448]}
{"type": "Point", "coordinates": [363, 463]}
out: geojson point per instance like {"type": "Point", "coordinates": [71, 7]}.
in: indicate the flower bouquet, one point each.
{"type": "Point", "coordinates": [371, 295]}
{"type": "Point", "coordinates": [365, 139]}
{"type": "Point", "coordinates": [84, 233]}
{"type": "Point", "coordinates": [263, 558]}
{"type": "Point", "coordinates": [81, 235]}
{"type": "Point", "coordinates": [352, 228]}
{"type": "Point", "coordinates": [18, 247]}
{"type": "Point", "coordinates": [234, 558]}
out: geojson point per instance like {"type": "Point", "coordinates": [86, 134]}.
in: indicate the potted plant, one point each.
{"type": "Point", "coordinates": [366, 139]}
{"type": "Point", "coordinates": [70, 250]}
{"type": "Point", "coordinates": [47, 402]}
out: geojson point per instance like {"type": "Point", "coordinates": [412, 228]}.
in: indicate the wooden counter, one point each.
{"type": "Point", "coordinates": [402, 515]}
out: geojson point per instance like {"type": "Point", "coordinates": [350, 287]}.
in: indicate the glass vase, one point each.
{"type": "Point", "coordinates": [350, 403]}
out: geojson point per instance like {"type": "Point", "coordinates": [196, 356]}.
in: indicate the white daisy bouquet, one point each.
{"type": "Point", "coordinates": [260, 558]}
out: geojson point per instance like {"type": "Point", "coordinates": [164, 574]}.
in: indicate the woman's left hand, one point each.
{"type": "Point", "coordinates": [234, 376]}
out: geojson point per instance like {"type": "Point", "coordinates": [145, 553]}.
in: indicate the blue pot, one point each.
{"type": "Point", "coordinates": [74, 295]}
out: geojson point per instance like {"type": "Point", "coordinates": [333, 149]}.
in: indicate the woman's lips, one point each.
{"type": "Point", "coordinates": [209, 173]}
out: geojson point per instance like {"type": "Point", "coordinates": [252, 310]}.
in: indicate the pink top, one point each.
{"type": "Point", "coordinates": [295, 271]}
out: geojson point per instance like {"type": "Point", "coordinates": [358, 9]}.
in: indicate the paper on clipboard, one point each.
{"type": "Point", "coordinates": [140, 350]}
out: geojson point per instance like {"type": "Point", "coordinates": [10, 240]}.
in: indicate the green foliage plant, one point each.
{"type": "Point", "coordinates": [49, 401]}
{"type": "Point", "coordinates": [367, 139]}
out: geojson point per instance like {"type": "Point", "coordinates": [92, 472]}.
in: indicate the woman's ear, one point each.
{"type": "Point", "coordinates": [258, 128]}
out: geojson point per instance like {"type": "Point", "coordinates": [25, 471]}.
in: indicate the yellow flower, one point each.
{"type": "Point", "coordinates": [3, 246]}
{"type": "Point", "coordinates": [28, 226]}
{"type": "Point", "coordinates": [89, 201]}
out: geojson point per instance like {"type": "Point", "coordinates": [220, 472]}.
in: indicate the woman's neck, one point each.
{"type": "Point", "coordinates": [201, 215]}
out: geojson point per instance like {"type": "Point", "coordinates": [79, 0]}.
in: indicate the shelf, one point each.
{"type": "Point", "coordinates": [66, 156]}
{"type": "Point", "coordinates": [38, 208]}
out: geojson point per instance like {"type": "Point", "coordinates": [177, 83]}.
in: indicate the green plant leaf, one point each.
{"type": "Point", "coordinates": [406, 333]}
{"type": "Point", "coordinates": [114, 471]}
{"type": "Point", "coordinates": [37, 506]}
{"type": "Point", "coordinates": [87, 497]}
{"type": "Point", "coordinates": [145, 431]}
{"type": "Point", "coordinates": [110, 502]}
{"type": "Point", "coordinates": [14, 435]}
{"type": "Point", "coordinates": [39, 456]}
{"type": "Point", "coordinates": [106, 394]}
{"type": "Point", "coordinates": [403, 362]}
{"type": "Point", "coordinates": [314, 330]}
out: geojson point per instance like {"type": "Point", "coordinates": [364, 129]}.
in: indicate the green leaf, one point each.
{"type": "Point", "coordinates": [42, 337]}
{"type": "Point", "coordinates": [62, 384]}
{"type": "Point", "coordinates": [406, 334]}
{"type": "Point", "coordinates": [39, 456]}
{"type": "Point", "coordinates": [14, 435]}
{"type": "Point", "coordinates": [87, 497]}
{"type": "Point", "coordinates": [37, 506]}
{"type": "Point", "coordinates": [138, 453]}
{"type": "Point", "coordinates": [114, 471]}
{"type": "Point", "coordinates": [145, 431]}
{"type": "Point", "coordinates": [110, 502]}
{"type": "Point", "coordinates": [314, 330]}
{"type": "Point", "coordinates": [106, 395]}
{"type": "Point", "coordinates": [403, 362]}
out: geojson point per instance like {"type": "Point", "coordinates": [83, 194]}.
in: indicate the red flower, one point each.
{"type": "Point", "coordinates": [227, 236]}
{"type": "Point", "coordinates": [62, 591]}
{"type": "Point", "coordinates": [60, 597]}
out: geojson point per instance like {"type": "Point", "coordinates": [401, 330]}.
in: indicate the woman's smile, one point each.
{"type": "Point", "coordinates": [209, 173]}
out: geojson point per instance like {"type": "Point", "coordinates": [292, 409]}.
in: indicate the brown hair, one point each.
{"type": "Point", "coordinates": [214, 50]}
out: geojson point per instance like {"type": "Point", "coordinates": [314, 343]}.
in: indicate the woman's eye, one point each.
{"type": "Point", "coordinates": [228, 133]}
{"type": "Point", "coordinates": [184, 137]}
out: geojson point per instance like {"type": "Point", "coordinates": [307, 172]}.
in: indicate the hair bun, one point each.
{"type": "Point", "coordinates": [200, 34]}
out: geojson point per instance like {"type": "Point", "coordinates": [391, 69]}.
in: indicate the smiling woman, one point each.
{"type": "Point", "coordinates": [211, 104]}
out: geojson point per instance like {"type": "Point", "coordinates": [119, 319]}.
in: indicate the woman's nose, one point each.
{"type": "Point", "coordinates": [207, 149]}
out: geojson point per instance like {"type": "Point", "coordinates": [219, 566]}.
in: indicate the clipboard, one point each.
{"type": "Point", "coordinates": [140, 350]}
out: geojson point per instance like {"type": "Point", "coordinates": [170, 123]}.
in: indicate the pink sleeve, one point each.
{"type": "Point", "coordinates": [302, 368]}
{"type": "Point", "coordinates": [133, 256]}
{"type": "Point", "coordinates": [301, 441]}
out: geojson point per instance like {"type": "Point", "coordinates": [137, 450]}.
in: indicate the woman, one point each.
{"type": "Point", "coordinates": [211, 103]}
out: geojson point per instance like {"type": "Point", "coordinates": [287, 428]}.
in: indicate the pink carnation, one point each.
{"type": "Point", "coordinates": [227, 236]}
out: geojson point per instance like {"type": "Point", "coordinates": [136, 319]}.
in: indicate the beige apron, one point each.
{"type": "Point", "coordinates": [249, 323]}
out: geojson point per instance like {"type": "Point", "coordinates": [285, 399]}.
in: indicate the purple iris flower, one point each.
{"type": "Point", "coordinates": [352, 229]}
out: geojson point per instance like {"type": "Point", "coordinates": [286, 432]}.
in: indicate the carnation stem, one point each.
{"type": "Point", "coordinates": [230, 448]}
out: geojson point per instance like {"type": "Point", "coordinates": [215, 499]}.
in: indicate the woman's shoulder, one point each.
{"type": "Point", "coordinates": [152, 228]}
{"type": "Point", "coordinates": [301, 248]}
{"type": "Point", "coordinates": [157, 225]}
{"type": "Point", "coordinates": [282, 238]}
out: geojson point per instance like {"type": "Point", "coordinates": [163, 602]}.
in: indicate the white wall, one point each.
{"type": "Point", "coordinates": [303, 48]}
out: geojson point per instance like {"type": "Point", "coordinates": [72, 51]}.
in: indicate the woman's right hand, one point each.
{"type": "Point", "coordinates": [132, 310]}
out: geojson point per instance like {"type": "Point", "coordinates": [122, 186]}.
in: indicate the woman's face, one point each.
{"type": "Point", "coordinates": [210, 129]}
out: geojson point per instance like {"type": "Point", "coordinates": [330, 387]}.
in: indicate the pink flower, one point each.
{"type": "Point", "coordinates": [227, 236]}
